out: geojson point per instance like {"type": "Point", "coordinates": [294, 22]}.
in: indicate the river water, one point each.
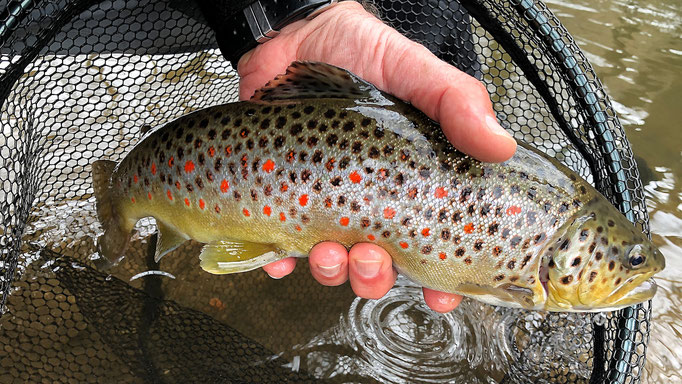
{"type": "Point", "coordinates": [636, 50]}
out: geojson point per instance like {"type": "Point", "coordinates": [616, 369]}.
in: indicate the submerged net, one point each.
{"type": "Point", "coordinates": [79, 79]}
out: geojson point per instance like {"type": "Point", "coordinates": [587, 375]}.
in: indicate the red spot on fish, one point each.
{"type": "Point", "coordinates": [224, 186]}
{"type": "Point", "coordinates": [441, 193]}
{"type": "Point", "coordinates": [442, 256]}
{"type": "Point", "coordinates": [211, 151]}
{"type": "Point", "coordinates": [170, 161]}
{"type": "Point", "coordinates": [282, 217]}
{"type": "Point", "coordinates": [135, 178]}
{"type": "Point", "coordinates": [403, 244]}
{"type": "Point", "coordinates": [513, 210]}
{"type": "Point", "coordinates": [412, 193]}
{"type": "Point", "coordinates": [186, 201]}
{"type": "Point", "coordinates": [149, 195]}
{"type": "Point", "coordinates": [189, 166]}
{"type": "Point", "coordinates": [177, 185]}
{"type": "Point", "coordinates": [284, 187]}
{"type": "Point", "coordinates": [370, 237]}
{"type": "Point", "coordinates": [246, 212]}
{"type": "Point", "coordinates": [298, 227]}
{"type": "Point", "coordinates": [153, 169]}
{"type": "Point", "coordinates": [469, 228]}
{"type": "Point", "coordinates": [202, 204]}
{"type": "Point", "coordinates": [426, 232]}
{"type": "Point", "coordinates": [228, 150]}
{"type": "Point", "coordinates": [328, 202]}
{"type": "Point", "coordinates": [389, 213]}
{"type": "Point", "coordinates": [269, 166]}
{"type": "Point", "coordinates": [303, 200]}
{"type": "Point", "coordinates": [355, 177]}
{"type": "Point", "coordinates": [267, 210]}
{"type": "Point", "coordinates": [170, 196]}
{"type": "Point", "coordinates": [132, 199]}
{"type": "Point", "coordinates": [344, 221]}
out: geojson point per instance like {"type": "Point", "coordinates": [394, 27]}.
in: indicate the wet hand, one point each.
{"type": "Point", "coordinates": [349, 37]}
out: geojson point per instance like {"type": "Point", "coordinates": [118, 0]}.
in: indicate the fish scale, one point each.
{"type": "Point", "coordinates": [304, 163]}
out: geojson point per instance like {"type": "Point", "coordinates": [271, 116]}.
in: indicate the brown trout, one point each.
{"type": "Point", "coordinates": [318, 154]}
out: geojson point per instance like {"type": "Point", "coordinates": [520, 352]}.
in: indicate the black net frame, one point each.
{"type": "Point", "coordinates": [49, 65]}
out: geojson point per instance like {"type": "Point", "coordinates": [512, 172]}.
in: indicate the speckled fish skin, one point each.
{"type": "Point", "coordinates": [302, 164]}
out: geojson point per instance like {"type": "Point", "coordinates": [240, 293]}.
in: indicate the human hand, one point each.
{"type": "Point", "coordinates": [349, 37]}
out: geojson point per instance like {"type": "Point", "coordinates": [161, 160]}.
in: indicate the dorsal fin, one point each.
{"type": "Point", "coordinates": [310, 80]}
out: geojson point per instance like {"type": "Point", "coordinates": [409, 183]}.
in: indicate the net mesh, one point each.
{"type": "Point", "coordinates": [79, 79]}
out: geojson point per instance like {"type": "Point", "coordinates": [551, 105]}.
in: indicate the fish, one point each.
{"type": "Point", "coordinates": [319, 154]}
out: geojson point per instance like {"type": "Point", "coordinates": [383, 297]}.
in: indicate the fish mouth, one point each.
{"type": "Point", "coordinates": [644, 291]}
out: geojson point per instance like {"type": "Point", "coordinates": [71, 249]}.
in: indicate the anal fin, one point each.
{"type": "Point", "coordinates": [167, 240]}
{"type": "Point", "coordinates": [237, 256]}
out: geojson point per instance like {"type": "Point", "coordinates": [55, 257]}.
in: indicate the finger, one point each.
{"type": "Point", "coordinates": [280, 268]}
{"type": "Point", "coordinates": [370, 271]}
{"type": "Point", "coordinates": [329, 263]}
{"type": "Point", "coordinates": [458, 101]}
{"type": "Point", "coordinates": [441, 301]}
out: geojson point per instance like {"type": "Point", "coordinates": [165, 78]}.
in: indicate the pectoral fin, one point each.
{"type": "Point", "coordinates": [167, 240]}
{"type": "Point", "coordinates": [236, 256]}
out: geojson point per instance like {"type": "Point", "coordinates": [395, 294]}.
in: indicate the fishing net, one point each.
{"type": "Point", "coordinates": [79, 79]}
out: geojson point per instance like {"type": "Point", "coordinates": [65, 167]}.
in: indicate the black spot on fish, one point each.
{"type": "Point", "coordinates": [311, 124]}
{"type": "Point", "coordinates": [189, 187]}
{"type": "Point", "coordinates": [343, 163]}
{"type": "Point", "coordinates": [457, 217]}
{"type": "Point", "coordinates": [399, 179]}
{"type": "Point", "coordinates": [445, 234]}
{"type": "Point", "coordinates": [336, 181]}
{"type": "Point", "coordinates": [330, 113]}
{"type": "Point", "coordinates": [459, 252]}
{"type": "Point", "coordinates": [471, 209]}
{"type": "Point", "coordinates": [505, 233]}
{"type": "Point", "coordinates": [343, 145]}
{"type": "Point", "coordinates": [511, 264]}
{"type": "Point", "coordinates": [464, 195]}
{"type": "Point", "coordinates": [237, 196]}
{"type": "Point", "coordinates": [296, 129]}
{"type": "Point", "coordinates": [564, 245]}
{"type": "Point", "coordinates": [305, 175]}
{"type": "Point", "coordinates": [526, 260]}
{"type": "Point", "coordinates": [478, 245]}
{"type": "Point", "coordinates": [463, 166]}
{"type": "Point", "coordinates": [426, 249]}
{"type": "Point", "coordinates": [373, 152]}
{"type": "Point", "coordinates": [492, 228]}
{"type": "Point", "coordinates": [180, 153]}
{"type": "Point", "coordinates": [349, 126]}
{"type": "Point", "coordinates": [566, 279]}
{"type": "Point", "coordinates": [280, 122]}
{"type": "Point", "coordinates": [199, 182]}
{"type": "Point", "coordinates": [563, 208]}
{"type": "Point", "coordinates": [189, 138]}
{"type": "Point", "coordinates": [485, 210]}
{"type": "Point", "coordinates": [539, 238]}
{"type": "Point", "coordinates": [302, 156]}
{"type": "Point", "coordinates": [225, 120]}
{"type": "Point", "coordinates": [203, 123]}
{"type": "Point", "coordinates": [238, 122]}
{"type": "Point", "coordinates": [332, 139]}
{"type": "Point", "coordinates": [308, 109]}
{"type": "Point", "coordinates": [499, 278]}
{"type": "Point", "coordinates": [365, 122]}
{"type": "Point", "coordinates": [575, 262]}
{"type": "Point", "coordinates": [266, 110]}
{"type": "Point", "coordinates": [201, 158]}
{"type": "Point", "coordinates": [296, 114]}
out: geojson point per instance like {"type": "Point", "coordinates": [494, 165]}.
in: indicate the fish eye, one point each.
{"type": "Point", "coordinates": [636, 261]}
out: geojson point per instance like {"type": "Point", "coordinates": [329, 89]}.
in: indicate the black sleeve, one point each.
{"type": "Point", "coordinates": [216, 12]}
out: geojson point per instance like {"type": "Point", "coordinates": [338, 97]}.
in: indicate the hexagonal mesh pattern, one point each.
{"type": "Point", "coordinates": [79, 79]}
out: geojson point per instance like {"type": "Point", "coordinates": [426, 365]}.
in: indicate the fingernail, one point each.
{"type": "Point", "coordinates": [332, 271]}
{"type": "Point", "coordinates": [368, 268]}
{"type": "Point", "coordinates": [273, 277]}
{"type": "Point", "coordinates": [495, 127]}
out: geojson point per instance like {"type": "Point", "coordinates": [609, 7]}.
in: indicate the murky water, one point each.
{"type": "Point", "coordinates": [129, 323]}
{"type": "Point", "coordinates": [636, 50]}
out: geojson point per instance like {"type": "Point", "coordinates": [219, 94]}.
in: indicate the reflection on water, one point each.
{"type": "Point", "coordinates": [636, 48]}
